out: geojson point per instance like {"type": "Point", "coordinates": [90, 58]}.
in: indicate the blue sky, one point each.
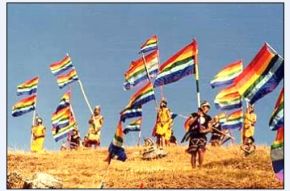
{"type": "Point", "coordinates": [103, 39]}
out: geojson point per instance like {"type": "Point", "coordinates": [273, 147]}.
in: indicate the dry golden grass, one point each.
{"type": "Point", "coordinates": [224, 167]}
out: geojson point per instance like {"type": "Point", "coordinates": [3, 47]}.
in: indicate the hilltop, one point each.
{"type": "Point", "coordinates": [224, 167]}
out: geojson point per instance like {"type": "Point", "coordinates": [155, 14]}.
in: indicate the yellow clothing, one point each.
{"type": "Point", "coordinates": [93, 134]}
{"type": "Point", "coordinates": [249, 128]}
{"type": "Point", "coordinates": [163, 121]}
{"type": "Point", "coordinates": [38, 134]}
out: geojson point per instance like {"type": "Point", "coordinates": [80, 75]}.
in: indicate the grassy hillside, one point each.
{"type": "Point", "coordinates": [224, 167]}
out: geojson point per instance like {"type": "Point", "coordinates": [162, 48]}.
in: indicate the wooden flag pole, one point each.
{"type": "Point", "coordinates": [161, 87]}
{"type": "Point", "coordinates": [86, 99]}
{"type": "Point", "coordinates": [33, 118]}
{"type": "Point", "coordinates": [197, 78]}
{"type": "Point", "coordinates": [139, 138]}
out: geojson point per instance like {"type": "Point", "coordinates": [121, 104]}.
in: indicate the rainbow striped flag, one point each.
{"type": "Point", "coordinates": [261, 76]}
{"type": "Point", "coordinates": [178, 66]}
{"type": "Point", "coordinates": [130, 113]}
{"type": "Point", "coordinates": [222, 118]}
{"type": "Point", "coordinates": [60, 118]}
{"type": "Point", "coordinates": [116, 146]}
{"type": "Point", "coordinates": [234, 120]}
{"type": "Point", "coordinates": [227, 74]}
{"type": "Point", "coordinates": [228, 99]}
{"type": "Point", "coordinates": [133, 126]}
{"type": "Point", "coordinates": [137, 72]}
{"type": "Point", "coordinates": [277, 117]}
{"type": "Point", "coordinates": [277, 154]}
{"type": "Point", "coordinates": [68, 78]}
{"type": "Point", "coordinates": [24, 106]}
{"type": "Point", "coordinates": [142, 96]}
{"type": "Point", "coordinates": [59, 134]}
{"type": "Point", "coordinates": [28, 87]}
{"type": "Point", "coordinates": [61, 66]}
{"type": "Point", "coordinates": [150, 44]}
{"type": "Point", "coordinates": [64, 101]}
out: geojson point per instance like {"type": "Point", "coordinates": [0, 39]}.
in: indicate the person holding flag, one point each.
{"type": "Point", "coordinates": [96, 122]}
{"type": "Point", "coordinates": [38, 135]}
{"type": "Point", "coordinates": [198, 126]}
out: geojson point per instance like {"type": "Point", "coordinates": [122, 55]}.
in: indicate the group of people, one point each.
{"type": "Point", "coordinates": [199, 124]}
{"type": "Point", "coordinates": [91, 139]}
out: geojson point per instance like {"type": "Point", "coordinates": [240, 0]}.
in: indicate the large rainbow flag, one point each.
{"type": "Point", "coordinates": [228, 99]}
{"type": "Point", "coordinates": [28, 87]}
{"type": "Point", "coordinates": [150, 44]}
{"type": "Point", "coordinates": [227, 74]}
{"type": "Point", "coordinates": [130, 113]}
{"type": "Point", "coordinates": [178, 66]}
{"type": "Point", "coordinates": [24, 105]}
{"type": "Point", "coordinates": [61, 66]}
{"type": "Point", "coordinates": [133, 126]}
{"type": "Point", "coordinates": [63, 123]}
{"type": "Point", "coordinates": [277, 117]}
{"type": "Point", "coordinates": [277, 154]}
{"type": "Point", "coordinates": [68, 78]}
{"type": "Point", "coordinates": [234, 120]}
{"type": "Point", "coordinates": [137, 72]}
{"type": "Point", "coordinates": [116, 146]}
{"type": "Point", "coordinates": [261, 76]}
{"type": "Point", "coordinates": [142, 96]}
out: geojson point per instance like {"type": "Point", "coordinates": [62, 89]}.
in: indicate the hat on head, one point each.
{"type": "Point", "coordinates": [204, 104]}
{"type": "Point", "coordinates": [38, 119]}
{"type": "Point", "coordinates": [98, 107]}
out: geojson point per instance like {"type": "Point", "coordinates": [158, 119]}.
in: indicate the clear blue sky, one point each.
{"type": "Point", "coordinates": [103, 39]}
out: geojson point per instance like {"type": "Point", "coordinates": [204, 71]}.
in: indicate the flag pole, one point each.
{"type": "Point", "coordinates": [144, 62]}
{"type": "Point", "coordinates": [197, 76]}
{"type": "Point", "coordinates": [139, 138]}
{"type": "Point", "coordinates": [33, 117]}
{"type": "Point", "coordinates": [86, 99]}
{"type": "Point", "coordinates": [161, 87]}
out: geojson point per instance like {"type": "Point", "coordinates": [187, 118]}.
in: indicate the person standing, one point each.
{"type": "Point", "coordinates": [95, 124]}
{"type": "Point", "coordinates": [163, 123]}
{"type": "Point", "coordinates": [198, 126]}
{"type": "Point", "coordinates": [38, 135]}
{"type": "Point", "coordinates": [250, 119]}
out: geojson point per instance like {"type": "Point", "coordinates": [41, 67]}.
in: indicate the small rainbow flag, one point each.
{"type": "Point", "coordinates": [234, 120]}
{"type": "Point", "coordinates": [28, 87]}
{"type": "Point", "coordinates": [63, 132]}
{"type": "Point", "coordinates": [137, 72]}
{"type": "Point", "coordinates": [130, 113]}
{"type": "Point", "coordinates": [68, 78]}
{"type": "Point", "coordinates": [24, 105]}
{"type": "Point", "coordinates": [228, 99]}
{"type": "Point", "coordinates": [277, 154]}
{"type": "Point", "coordinates": [277, 117]}
{"type": "Point", "coordinates": [116, 146]}
{"type": "Point", "coordinates": [64, 101]}
{"type": "Point", "coordinates": [60, 118]}
{"type": "Point", "coordinates": [133, 126]}
{"type": "Point", "coordinates": [261, 76]}
{"type": "Point", "coordinates": [142, 96]}
{"type": "Point", "coordinates": [61, 66]}
{"type": "Point", "coordinates": [150, 44]}
{"type": "Point", "coordinates": [227, 74]}
{"type": "Point", "coordinates": [178, 66]}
